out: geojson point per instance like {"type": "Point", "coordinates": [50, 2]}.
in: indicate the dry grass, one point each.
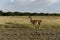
{"type": "Point", "coordinates": [47, 21]}
{"type": "Point", "coordinates": [18, 28]}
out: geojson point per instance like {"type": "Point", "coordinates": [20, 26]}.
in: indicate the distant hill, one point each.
{"type": "Point", "coordinates": [27, 14]}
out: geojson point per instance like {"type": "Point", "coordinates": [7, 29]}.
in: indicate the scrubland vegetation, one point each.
{"type": "Point", "coordinates": [48, 22]}
{"type": "Point", "coordinates": [20, 28]}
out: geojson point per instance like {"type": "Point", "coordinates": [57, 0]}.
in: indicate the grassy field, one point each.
{"type": "Point", "coordinates": [20, 28]}
{"type": "Point", "coordinates": [48, 22]}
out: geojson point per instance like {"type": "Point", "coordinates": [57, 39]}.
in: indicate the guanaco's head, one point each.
{"type": "Point", "coordinates": [29, 16]}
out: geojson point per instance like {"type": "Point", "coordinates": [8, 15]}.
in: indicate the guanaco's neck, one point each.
{"type": "Point", "coordinates": [30, 18]}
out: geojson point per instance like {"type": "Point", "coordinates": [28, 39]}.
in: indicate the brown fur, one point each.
{"type": "Point", "coordinates": [39, 22]}
{"type": "Point", "coordinates": [35, 21]}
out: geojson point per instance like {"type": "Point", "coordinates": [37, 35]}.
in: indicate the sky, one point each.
{"type": "Point", "coordinates": [47, 6]}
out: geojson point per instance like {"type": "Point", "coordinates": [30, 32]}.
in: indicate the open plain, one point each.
{"type": "Point", "coordinates": [20, 28]}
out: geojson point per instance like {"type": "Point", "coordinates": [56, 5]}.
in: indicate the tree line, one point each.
{"type": "Point", "coordinates": [27, 14]}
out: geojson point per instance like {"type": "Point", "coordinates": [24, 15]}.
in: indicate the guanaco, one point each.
{"type": "Point", "coordinates": [35, 21]}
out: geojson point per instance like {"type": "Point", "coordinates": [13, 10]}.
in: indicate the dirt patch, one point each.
{"type": "Point", "coordinates": [28, 34]}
